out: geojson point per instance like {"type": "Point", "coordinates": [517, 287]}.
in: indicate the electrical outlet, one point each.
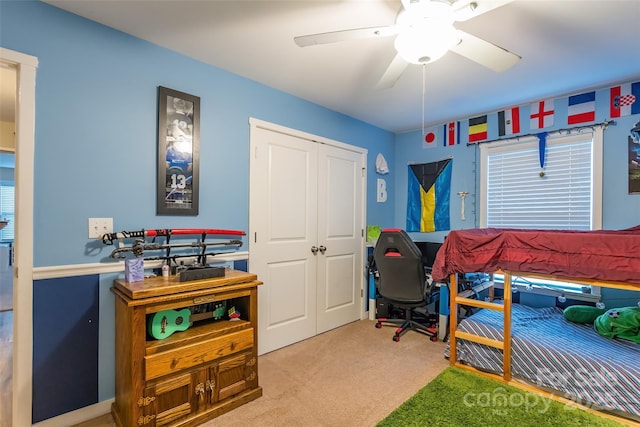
{"type": "Point", "coordinates": [100, 226]}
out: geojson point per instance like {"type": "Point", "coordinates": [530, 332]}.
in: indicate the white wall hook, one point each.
{"type": "Point", "coordinates": [462, 195]}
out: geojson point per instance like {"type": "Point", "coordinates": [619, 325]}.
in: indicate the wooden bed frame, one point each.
{"type": "Point", "coordinates": [455, 300]}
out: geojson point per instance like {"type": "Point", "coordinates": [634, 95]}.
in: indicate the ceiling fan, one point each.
{"type": "Point", "coordinates": [424, 32]}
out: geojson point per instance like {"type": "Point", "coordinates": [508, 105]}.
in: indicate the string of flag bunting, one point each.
{"type": "Point", "coordinates": [623, 100]}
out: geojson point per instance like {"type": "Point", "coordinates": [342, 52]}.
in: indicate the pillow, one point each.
{"type": "Point", "coordinates": [582, 313]}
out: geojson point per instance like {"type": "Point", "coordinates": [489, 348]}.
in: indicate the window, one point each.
{"type": "Point", "coordinates": [554, 288]}
{"type": "Point", "coordinates": [515, 192]}
{"type": "Point", "coordinates": [7, 207]}
{"type": "Point", "coordinates": [514, 195]}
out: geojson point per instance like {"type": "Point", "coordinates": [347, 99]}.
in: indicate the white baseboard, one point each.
{"type": "Point", "coordinates": [78, 416]}
{"type": "Point", "coordinates": [372, 309]}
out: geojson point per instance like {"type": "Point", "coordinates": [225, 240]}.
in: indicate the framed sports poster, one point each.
{"type": "Point", "coordinates": [178, 152]}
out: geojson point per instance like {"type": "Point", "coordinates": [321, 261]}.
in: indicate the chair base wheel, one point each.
{"type": "Point", "coordinates": [396, 338]}
{"type": "Point", "coordinates": [378, 325]}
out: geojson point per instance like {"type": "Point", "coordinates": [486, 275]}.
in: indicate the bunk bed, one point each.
{"type": "Point", "coordinates": [537, 348]}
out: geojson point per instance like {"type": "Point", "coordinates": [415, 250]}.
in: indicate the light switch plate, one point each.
{"type": "Point", "coordinates": [100, 226]}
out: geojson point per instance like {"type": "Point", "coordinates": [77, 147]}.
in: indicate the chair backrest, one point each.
{"type": "Point", "coordinates": [400, 268]}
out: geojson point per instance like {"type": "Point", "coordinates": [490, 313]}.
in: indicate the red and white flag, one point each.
{"type": "Point", "coordinates": [541, 114]}
{"type": "Point", "coordinates": [430, 138]}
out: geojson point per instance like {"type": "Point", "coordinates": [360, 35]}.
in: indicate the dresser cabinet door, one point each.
{"type": "Point", "coordinates": [236, 374]}
{"type": "Point", "coordinates": [173, 398]}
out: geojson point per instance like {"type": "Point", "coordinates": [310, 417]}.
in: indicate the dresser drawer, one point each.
{"type": "Point", "coordinates": [172, 361]}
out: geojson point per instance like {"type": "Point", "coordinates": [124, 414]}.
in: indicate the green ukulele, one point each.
{"type": "Point", "coordinates": [164, 323]}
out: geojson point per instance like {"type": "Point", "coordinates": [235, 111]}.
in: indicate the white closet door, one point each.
{"type": "Point", "coordinates": [283, 210]}
{"type": "Point", "coordinates": [306, 240]}
{"type": "Point", "coordinates": [340, 229]}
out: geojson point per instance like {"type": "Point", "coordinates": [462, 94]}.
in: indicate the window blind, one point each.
{"type": "Point", "coordinates": [518, 197]}
{"type": "Point", "coordinates": [7, 209]}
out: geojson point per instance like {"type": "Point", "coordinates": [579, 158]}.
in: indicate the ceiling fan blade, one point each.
{"type": "Point", "coordinates": [484, 52]}
{"type": "Point", "coordinates": [344, 35]}
{"type": "Point", "coordinates": [467, 9]}
{"type": "Point", "coordinates": [393, 73]}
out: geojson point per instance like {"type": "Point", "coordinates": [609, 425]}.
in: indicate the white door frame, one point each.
{"type": "Point", "coordinates": [25, 66]}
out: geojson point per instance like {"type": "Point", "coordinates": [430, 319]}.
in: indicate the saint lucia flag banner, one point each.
{"type": "Point", "coordinates": [428, 198]}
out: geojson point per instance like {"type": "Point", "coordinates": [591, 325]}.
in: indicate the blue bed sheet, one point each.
{"type": "Point", "coordinates": [551, 352]}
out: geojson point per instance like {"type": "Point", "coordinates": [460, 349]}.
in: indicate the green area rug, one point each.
{"type": "Point", "coordinates": [460, 398]}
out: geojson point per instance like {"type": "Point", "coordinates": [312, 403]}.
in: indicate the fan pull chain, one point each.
{"type": "Point", "coordinates": [424, 69]}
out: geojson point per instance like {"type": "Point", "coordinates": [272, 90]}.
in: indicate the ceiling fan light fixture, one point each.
{"type": "Point", "coordinates": [425, 44]}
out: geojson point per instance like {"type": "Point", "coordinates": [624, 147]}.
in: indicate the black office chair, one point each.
{"type": "Point", "coordinates": [401, 280]}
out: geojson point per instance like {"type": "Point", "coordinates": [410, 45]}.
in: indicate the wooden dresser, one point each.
{"type": "Point", "coordinates": [191, 375]}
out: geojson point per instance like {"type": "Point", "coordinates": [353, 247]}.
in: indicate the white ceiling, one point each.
{"type": "Point", "coordinates": [566, 46]}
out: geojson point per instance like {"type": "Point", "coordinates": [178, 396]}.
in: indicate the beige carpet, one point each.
{"type": "Point", "coordinates": [354, 375]}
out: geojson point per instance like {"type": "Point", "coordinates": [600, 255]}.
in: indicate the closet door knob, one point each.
{"type": "Point", "coordinates": [322, 249]}
{"type": "Point", "coordinates": [314, 250]}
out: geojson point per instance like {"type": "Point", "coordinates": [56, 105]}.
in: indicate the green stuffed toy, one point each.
{"type": "Point", "coordinates": [582, 313]}
{"type": "Point", "coordinates": [623, 323]}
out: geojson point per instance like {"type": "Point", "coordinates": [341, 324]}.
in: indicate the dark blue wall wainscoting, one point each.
{"type": "Point", "coordinates": [240, 265]}
{"type": "Point", "coordinates": [65, 345]}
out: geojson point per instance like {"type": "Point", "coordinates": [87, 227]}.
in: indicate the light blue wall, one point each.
{"type": "Point", "coordinates": [96, 109]}
{"type": "Point", "coordinates": [409, 150]}
{"type": "Point", "coordinates": [620, 209]}
{"type": "Point", "coordinates": [95, 153]}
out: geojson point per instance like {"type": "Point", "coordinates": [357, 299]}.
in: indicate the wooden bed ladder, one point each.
{"type": "Point", "coordinates": [455, 299]}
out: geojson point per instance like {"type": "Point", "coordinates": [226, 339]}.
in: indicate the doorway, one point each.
{"type": "Point", "coordinates": [21, 355]}
{"type": "Point", "coordinates": [306, 233]}
{"type": "Point", "coordinates": [8, 91]}
{"type": "Point", "coordinates": [8, 96]}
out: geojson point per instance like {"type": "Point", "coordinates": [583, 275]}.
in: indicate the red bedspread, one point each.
{"type": "Point", "coordinates": [598, 255]}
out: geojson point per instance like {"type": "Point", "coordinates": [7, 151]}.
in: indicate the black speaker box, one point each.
{"type": "Point", "coordinates": [199, 273]}
{"type": "Point", "coordinates": [382, 307]}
